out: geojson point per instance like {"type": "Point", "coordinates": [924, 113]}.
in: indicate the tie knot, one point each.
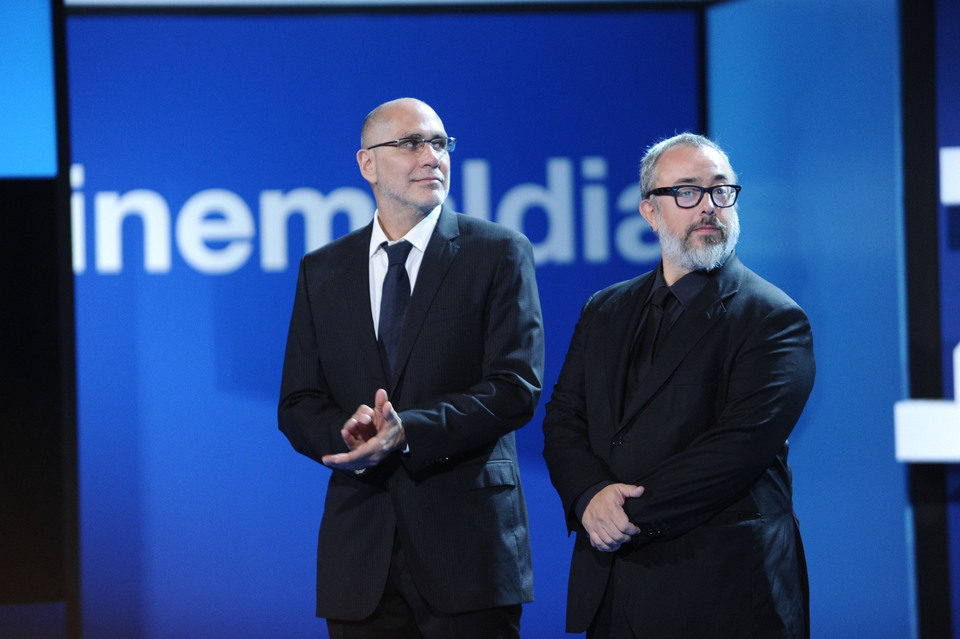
{"type": "Point", "coordinates": [397, 253]}
{"type": "Point", "coordinates": [660, 296]}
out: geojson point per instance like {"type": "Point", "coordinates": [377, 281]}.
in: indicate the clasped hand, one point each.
{"type": "Point", "coordinates": [606, 521]}
{"type": "Point", "coordinates": [371, 434]}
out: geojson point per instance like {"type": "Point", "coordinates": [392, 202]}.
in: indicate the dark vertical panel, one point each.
{"type": "Point", "coordinates": [927, 482]}
{"type": "Point", "coordinates": [31, 529]}
{"type": "Point", "coordinates": [38, 521]}
{"type": "Point", "coordinates": [66, 335]}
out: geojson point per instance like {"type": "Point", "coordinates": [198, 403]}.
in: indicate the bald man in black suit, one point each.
{"type": "Point", "coordinates": [424, 532]}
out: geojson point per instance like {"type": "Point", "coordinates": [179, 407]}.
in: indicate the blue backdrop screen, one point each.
{"type": "Point", "coordinates": [209, 153]}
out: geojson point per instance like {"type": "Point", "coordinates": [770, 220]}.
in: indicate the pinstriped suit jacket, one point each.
{"type": "Point", "coordinates": [470, 369]}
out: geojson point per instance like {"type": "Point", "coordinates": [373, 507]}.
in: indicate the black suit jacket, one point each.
{"type": "Point", "coordinates": [469, 373]}
{"type": "Point", "coordinates": [719, 553]}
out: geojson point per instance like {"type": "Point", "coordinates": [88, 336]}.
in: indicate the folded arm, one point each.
{"type": "Point", "coordinates": [768, 385]}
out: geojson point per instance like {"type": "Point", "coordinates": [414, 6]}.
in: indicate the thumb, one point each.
{"type": "Point", "coordinates": [633, 491]}
{"type": "Point", "coordinates": [379, 400]}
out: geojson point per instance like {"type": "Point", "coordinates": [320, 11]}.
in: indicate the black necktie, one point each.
{"type": "Point", "coordinates": [654, 328]}
{"type": "Point", "coordinates": [393, 300]}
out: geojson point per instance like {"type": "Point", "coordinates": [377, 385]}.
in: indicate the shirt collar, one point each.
{"type": "Point", "coordinates": [419, 235]}
{"type": "Point", "coordinates": [689, 286]}
{"type": "Point", "coordinates": [686, 288]}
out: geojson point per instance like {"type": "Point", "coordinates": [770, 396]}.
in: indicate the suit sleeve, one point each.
{"type": "Point", "coordinates": [506, 395]}
{"type": "Point", "coordinates": [768, 385]}
{"type": "Point", "coordinates": [574, 467]}
{"type": "Point", "coordinates": [306, 413]}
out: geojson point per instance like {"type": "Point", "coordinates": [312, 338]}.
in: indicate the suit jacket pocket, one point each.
{"type": "Point", "coordinates": [490, 474]}
{"type": "Point", "coordinates": [726, 518]}
{"type": "Point", "coordinates": [743, 510]}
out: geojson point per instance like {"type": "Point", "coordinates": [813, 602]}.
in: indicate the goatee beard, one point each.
{"type": "Point", "coordinates": [712, 253]}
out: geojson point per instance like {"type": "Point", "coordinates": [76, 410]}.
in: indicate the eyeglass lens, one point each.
{"type": "Point", "coordinates": [722, 195]}
{"type": "Point", "coordinates": [416, 144]}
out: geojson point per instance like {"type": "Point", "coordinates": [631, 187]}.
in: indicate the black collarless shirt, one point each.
{"type": "Point", "coordinates": [684, 292]}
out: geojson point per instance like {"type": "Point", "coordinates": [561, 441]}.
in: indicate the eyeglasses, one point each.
{"type": "Point", "coordinates": [688, 196]}
{"type": "Point", "coordinates": [415, 144]}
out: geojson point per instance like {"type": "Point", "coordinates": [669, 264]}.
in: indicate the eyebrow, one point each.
{"type": "Point", "coordinates": [719, 177]}
{"type": "Point", "coordinates": [417, 134]}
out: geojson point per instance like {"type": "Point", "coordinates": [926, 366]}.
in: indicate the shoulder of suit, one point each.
{"type": "Point", "coordinates": [618, 293]}
{"type": "Point", "coordinates": [470, 225]}
{"type": "Point", "coordinates": [761, 294]}
{"type": "Point", "coordinates": [336, 249]}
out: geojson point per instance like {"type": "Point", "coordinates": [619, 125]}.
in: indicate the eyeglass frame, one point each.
{"type": "Point", "coordinates": [672, 190]}
{"type": "Point", "coordinates": [449, 144]}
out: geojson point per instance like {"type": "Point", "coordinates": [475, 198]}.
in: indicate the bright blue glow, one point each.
{"type": "Point", "coordinates": [28, 139]}
{"type": "Point", "coordinates": [197, 517]}
{"type": "Point", "coordinates": [804, 103]}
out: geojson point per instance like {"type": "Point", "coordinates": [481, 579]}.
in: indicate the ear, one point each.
{"type": "Point", "coordinates": [368, 165]}
{"type": "Point", "coordinates": [649, 213]}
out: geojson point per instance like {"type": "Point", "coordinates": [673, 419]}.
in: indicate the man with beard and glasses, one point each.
{"type": "Point", "coordinates": [666, 435]}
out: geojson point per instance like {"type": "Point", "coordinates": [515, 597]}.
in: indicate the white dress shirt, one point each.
{"type": "Point", "coordinates": [418, 236]}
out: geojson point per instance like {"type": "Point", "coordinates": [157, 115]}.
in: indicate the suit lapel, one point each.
{"type": "Point", "coordinates": [438, 257]}
{"type": "Point", "coordinates": [621, 336]}
{"type": "Point", "coordinates": [354, 285]}
{"type": "Point", "coordinates": [705, 311]}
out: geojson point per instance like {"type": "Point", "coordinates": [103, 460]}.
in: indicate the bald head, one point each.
{"type": "Point", "coordinates": [408, 180]}
{"type": "Point", "coordinates": [379, 119]}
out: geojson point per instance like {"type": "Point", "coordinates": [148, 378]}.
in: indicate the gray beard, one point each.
{"type": "Point", "coordinates": [680, 251]}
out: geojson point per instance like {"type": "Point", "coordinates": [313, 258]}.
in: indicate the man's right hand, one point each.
{"type": "Point", "coordinates": [605, 519]}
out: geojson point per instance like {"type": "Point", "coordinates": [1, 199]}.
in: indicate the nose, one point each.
{"type": "Point", "coordinates": [708, 207]}
{"type": "Point", "coordinates": [431, 155]}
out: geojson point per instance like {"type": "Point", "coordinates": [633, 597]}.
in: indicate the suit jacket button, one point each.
{"type": "Point", "coordinates": [616, 441]}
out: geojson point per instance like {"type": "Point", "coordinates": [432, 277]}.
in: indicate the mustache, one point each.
{"type": "Point", "coordinates": [713, 223]}
{"type": "Point", "coordinates": [427, 176]}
